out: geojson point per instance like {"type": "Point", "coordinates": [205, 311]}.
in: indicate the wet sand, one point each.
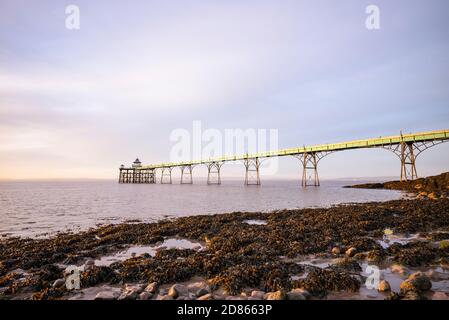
{"type": "Point", "coordinates": [320, 253]}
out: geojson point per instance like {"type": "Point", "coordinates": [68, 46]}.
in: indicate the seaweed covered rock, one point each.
{"type": "Point", "coordinates": [417, 282]}
{"type": "Point", "coordinates": [321, 281]}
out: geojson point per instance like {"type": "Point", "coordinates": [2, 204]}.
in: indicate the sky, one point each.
{"type": "Point", "coordinates": [79, 103]}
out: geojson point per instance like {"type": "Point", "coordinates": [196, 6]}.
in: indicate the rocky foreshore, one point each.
{"type": "Point", "coordinates": [430, 187]}
{"type": "Point", "coordinates": [288, 254]}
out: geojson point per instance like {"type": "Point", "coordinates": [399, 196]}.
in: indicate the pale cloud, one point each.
{"type": "Point", "coordinates": [79, 103]}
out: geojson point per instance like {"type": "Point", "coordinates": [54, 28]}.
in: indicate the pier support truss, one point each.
{"type": "Point", "coordinates": [213, 172]}
{"type": "Point", "coordinates": [137, 176]}
{"type": "Point", "coordinates": [252, 176]}
{"type": "Point", "coordinates": [309, 161]}
{"type": "Point", "coordinates": [407, 153]}
{"type": "Point", "coordinates": [186, 174]}
{"type": "Point", "coordinates": [166, 175]}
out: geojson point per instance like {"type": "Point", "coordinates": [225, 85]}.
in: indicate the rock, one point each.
{"type": "Point", "coordinates": [151, 288]}
{"type": "Point", "coordinates": [278, 295]}
{"type": "Point", "coordinates": [258, 294]}
{"type": "Point", "coordinates": [138, 288]}
{"type": "Point", "coordinates": [302, 291]}
{"type": "Point", "coordinates": [422, 194]}
{"type": "Point", "coordinates": [131, 291]}
{"type": "Point", "coordinates": [197, 286]}
{"type": "Point", "coordinates": [145, 295]}
{"type": "Point", "coordinates": [206, 297]}
{"type": "Point", "coordinates": [396, 268]}
{"type": "Point", "coordinates": [351, 252]}
{"type": "Point", "coordinates": [417, 282]}
{"type": "Point", "coordinates": [178, 290]}
{"type": "Point", "coordinates": [444, 244]}
{"type": "Point", "coordinates": [106, 295]}
{"type": "Point", "coordinates": [163, 291]}
{"type": "Point", "coordinates": [432, 196]}
{"type": "Point", "coordinates": [164, 297]}
{"type": "Point", "coordinates": [336, 250]}
{"type": "Point", "coordinates": [128, 295]}
{"type": "Point", "coordinates": [58, 283]}
{"type": "Point", "coordinates": [201, 292]}
{"type": "Point", "coordinates": [384, 286]}
{"type": "Point", "coordinates": [296, 294]}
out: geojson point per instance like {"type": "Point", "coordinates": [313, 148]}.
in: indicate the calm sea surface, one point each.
{"type": "Point", "coordinates": [40, 208]}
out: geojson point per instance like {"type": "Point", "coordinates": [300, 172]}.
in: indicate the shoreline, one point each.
{"type": "Point", "coordinates": [312, 253]}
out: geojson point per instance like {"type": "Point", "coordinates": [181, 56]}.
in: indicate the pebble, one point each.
{"type": "Point", "coordinates": [351, 252]}
{"type": "Point", "coordinates": [336, 250]}
{"type": "Point", "coordinates": [138, 288]}
{"type": "Point", "coordinates": [258, 294]}
{"type": "Point", "coordinates": [206, 297]}
{"type": "Point", "coordinates": [145, 296]}
{"type": "Point", "coordinates": [106, 295]}
{"type": "Point", "coordinates": [196, 286]}
{"type": "Point", "coordinates": [295, 295]}
{"type": "Point", "coordinates": [396, 268]}
{"type": "Point", "coordinates": [384, 286]}
{"type": "Point", "coordinates": [278, 295]}
{"type": "Point", "coordinates": [131, 291]}
{"type": "Point", "coordinates": [302, 291]}
{"type": "Point", "coordinates": [201, 292]}
{"type": "Point", "coordinates": [177, 290]}
{"type": "Point", "coordinates": [58, 283]}
{"type": "Point", "coordinates": [151, 288]}
{"type": "Point", "coordinates": [128, 295]}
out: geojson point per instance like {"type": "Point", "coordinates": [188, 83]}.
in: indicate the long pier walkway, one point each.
{"type": "Point", "coordinates": [406, 146]}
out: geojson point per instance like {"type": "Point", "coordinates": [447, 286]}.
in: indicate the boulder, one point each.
{"type": "Point", "coordinates": [417, 282]}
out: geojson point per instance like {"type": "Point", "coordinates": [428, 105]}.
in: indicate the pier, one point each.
{"type": "Point", "coordinates": [407, 147]}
